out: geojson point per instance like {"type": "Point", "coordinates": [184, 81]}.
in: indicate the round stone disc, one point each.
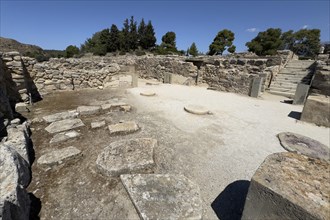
{"type": "Point", "coordinates": [196, 109]}
{"type": "Point", "coordinates": [147, 93]}
{"type": "Point", "coordinates": [304, 145]}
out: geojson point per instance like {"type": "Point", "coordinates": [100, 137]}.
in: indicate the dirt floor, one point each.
{"type": "Point", "coordinates": [219, 152]}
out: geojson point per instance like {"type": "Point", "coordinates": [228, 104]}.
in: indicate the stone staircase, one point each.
{"type": "Point", "coordinates": [296, 71]}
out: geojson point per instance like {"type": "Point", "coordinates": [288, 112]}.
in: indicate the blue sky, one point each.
{"type": "Point", "coordinates": [55, 24]}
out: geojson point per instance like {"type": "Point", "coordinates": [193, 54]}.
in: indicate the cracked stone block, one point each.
{"type": "Point", "coordinates": [289, 186]}
{"type": "Point", "coordinates": [129, 156]}
{"type": "Point", "coordinates": [60, 156]}
{"type": "Point", "coordinates": [64, 125]}
{"type": "Point", "coordinates": [163, 196]}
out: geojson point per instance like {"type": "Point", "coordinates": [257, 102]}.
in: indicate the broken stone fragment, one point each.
{"type": "Point", "coordinates": [124, 128]}
{"type": "Point", "coordinates": [163, 196]}
{"type": "Point", "coordinates": [64, 125]}
{"type": "Point", "coordinates": [21, 107]}
{"type": "Point", "coordinates": [304, 145]}
{"type": "Point", "coordinates": [88, 110]}
{"type": "Point", "coordinates": [63, 136]}
{"type": "Point", "coordinates": [289, 186]}
{"type": "Point", "coordinates": [129, 156]}
{"type": "Point", "coordinates": [61, 116]}
{"type": "Point", "coordinates": [57, 157]}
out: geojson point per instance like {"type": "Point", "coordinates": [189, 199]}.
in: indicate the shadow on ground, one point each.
{"type": "Point", "coordinates": [229, 204]}
{"type": "Point", "coordinates": [295, 115]}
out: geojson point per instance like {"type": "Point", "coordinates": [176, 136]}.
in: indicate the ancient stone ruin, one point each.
{"type": "Point", "coordinates": [167, 137]}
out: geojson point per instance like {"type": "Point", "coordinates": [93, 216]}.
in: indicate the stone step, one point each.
{"type": "Point", "coordinates": [291, 81]}
{"type": "Point", "coordinates": [283, 90]}
{"type": "Point", "coordinates": [285, 76]}
{"type": "Point", "coordinates": [295, 71]}
{"type": "Point", "coordinates": [281, 86]}
{"type": "Point", "coordinates": [285, 94]}
{"type": "Point", "coordinates": [298, 66]}
{"type": "Point", "coordinates": [302, 61]}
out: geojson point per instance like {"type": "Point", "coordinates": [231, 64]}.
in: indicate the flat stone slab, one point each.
{"type": "Point", "coordinates": [152, 83]}
{"type": "Point", "coordinates": [124, 127]}
{"type": "Point", "coordinates": [97, 124]}
{"type": "Point", "coordinates": [116, 105]}
{"type": "Point", "coordinates": [163, 196]}
{"type": "Point", "coordinates": [147, 93]}
{"type": "Point", "coordinates": [58, 157]}
{"type": "Point", "coordinates": [61, 116]}
{"type": "Point", "coordinates": [64, 125]}
{"type": "Point", "coordinates": [88, 110]}
{"type": "Point", "coordinates": [304, 145]}
{"type": "Point", "coordinates": [289, 186]}
{"type": "Point", "coordinates": [129, 156]}
{"type": "Point", "coordinates": [63, 136]}
{"type": "Point", "coordinates": [197, 110]}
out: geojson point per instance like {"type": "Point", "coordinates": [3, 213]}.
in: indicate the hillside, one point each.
{"type": "Point", "coordinates": [7, 45]}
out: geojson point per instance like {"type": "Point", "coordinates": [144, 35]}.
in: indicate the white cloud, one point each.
{"type": "Point", "coordinates": [252, 30]}
{"type": "Point", "coordinates": [305, 26]}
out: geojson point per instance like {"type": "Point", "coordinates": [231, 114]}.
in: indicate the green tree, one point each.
{"type": "Point", "coordinates": [124, 36]}
{"type": "Point", "coordinates": [266, 43]}
{"type": "Point", "coordinates": [133, 35]}
{"type": "Point", "coordinates": [223, 41]}
{"type": "Point", "coordinates": [168, 41]}
{"type": "Point", "coordinates": [193, 50]}
{"type": "Point", "coordinates": [71, 50]}
{"type": "Point", "coordinates": [146, 34]}
{"type": "Point", "coordinates": [288, 40]}
{"type": "Point", "coordinates": [307, 42]}
{"type": "Point", "coordinates": [114, 39]}
{"type": "Point", "coordinates": [141, 34]}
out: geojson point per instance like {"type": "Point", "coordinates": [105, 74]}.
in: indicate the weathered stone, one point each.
{"type": "Point", "coordinates": [88, 110]}
{"type": "Point", "coordinates": [15, 121]}
{"type": "Point", "coordinates": [61, 116]}
{"type": "Point", "coordinates": [64, 125]}
{"type": "Point", "coordinates": [97, 124]}
{"type": "Point", "coordinates": [256, 87]}
{"type": "Point", "coordinates": [304, 145]}
{"type": "Point", "coordinates": [147, 93]}
{"type": "Point", "coordinates": [58, 157]}
{"type": "Point", "coordinates": [14, 176]}
{"type": "Point", "coordinates": [163, 196]}
{"type": "Point", "coordinates": [289, 186]}
{"type": "Point", "coordinates": [63, 136]}
{"type": "Point", "coordinates": [18, 139]}
{"type": "Point", "coordinates": [124, 128]}
{"type": "Point", "coordinates": [317, 110]}
{"type": "Point", "coordinates": [21, 107]}
{"type": "Point", "coordinates": [196, 109]}
{"type": "Point", "coordinates": [129, 156]}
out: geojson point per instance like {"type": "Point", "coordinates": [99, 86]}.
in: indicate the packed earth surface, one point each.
{"type": "Point", "coordinates": [218, 152]}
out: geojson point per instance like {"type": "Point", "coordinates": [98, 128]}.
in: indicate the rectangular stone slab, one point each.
{"type": "Point", "coordinates": [64, 125]}
{"type": "Point", "coordinates": [289, 186]}
{"type": "Point", "coordinates": [122, 128]}
{"type": "Point", "coordinates": [61, 116]}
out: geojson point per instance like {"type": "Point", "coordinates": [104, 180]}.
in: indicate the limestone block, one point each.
{"type": "Point", "coordinates": [88, 110]}
{"type": "Point", "coordinates": [63, 136]}
{"type": "Point", "coordinates": [21, 107]}
{"type": "Point", "coordinates": [61, 116]}
{"type": "Point", "coordinates": [58, 157]}
{"type": "Point", "coordinates": [317, 110]}
{"type": "Point", "coordinates": [97, 124]}
{"type": "Point", "coordinates": [64, 125]}
{"type": "Point", "coordinates": [124, 128]}
{"type": "Point", "coordinates": [289, 186]}
{"type": "Point", "coordinates": [128, 156]}
{"type": "Point", "coordinates": [163, 196]}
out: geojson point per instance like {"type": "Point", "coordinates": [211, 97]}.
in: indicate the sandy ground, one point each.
{"type": "Point", "coordinates": [219, 152]}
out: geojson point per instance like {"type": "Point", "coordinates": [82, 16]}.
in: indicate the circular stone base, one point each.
{"type": "Point", "coordinates": [304, 145]}
{"type": "Point", "coordinates": [196, 109]}
{"type": "Point", "coordinates": [147, 93]}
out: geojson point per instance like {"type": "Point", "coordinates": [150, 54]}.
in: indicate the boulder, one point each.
{"type": "Point", "coordinates": [163, 196]}
{"type": "Point", "coordinates": [317, 110]}
{"type": "Point", "coordinates": [58, 157]}
{"type": "Point", "coordinates": [15, 177]}
{"type": "Point", "coordinates": [63, 136]}
{"type": "Point", "coordinates": [124, 128]}
{"type": "Point", "coordinates": [128, 156]}
{"type": "Point", "coordinates": [289, 186]}
{"type": "Point", "coordinates": [304, 145]}
{"type": "Point", "coordinates": [61, 116]}
{"type": "Point", "coordinates": [64, 125]}
{"type": "Point", "coordinates": [88, 110]}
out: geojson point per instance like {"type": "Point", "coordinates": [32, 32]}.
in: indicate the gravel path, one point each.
{"type": "Point", "coordinates": [220, 152]}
